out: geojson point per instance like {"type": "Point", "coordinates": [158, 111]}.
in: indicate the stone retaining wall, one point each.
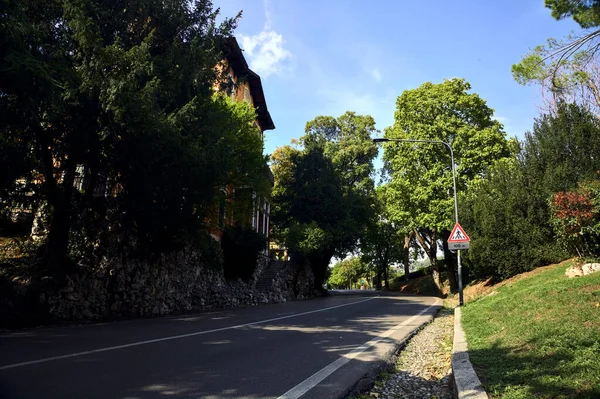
{"type": "Point", "coordinates": [170, 283]}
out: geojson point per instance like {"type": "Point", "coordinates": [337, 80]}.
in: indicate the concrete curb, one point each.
{"type": "Point", "coordinates": [466, 382]}
{"type": "Point", "coordinates": [389, 358]}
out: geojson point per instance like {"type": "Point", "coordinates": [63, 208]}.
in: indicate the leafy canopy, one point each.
{"type": "Point", "coordinates": [120, 95]}
{"type": "Point", "coordinates": [421, 173]}
{"type": "Point", "coordinates": [566, 70]}
{"type": "Point", "coordinates": [323, 188]}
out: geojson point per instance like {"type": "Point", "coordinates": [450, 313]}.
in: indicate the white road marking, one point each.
{"type": "Point", "coordinates": [151, 341]}
{"type": "Point", "coordinates": [309, 383]}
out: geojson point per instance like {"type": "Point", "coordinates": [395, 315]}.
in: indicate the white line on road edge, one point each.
{"type": "Point", "coordinates": [151, 341]}
{"type": "Point", "coordinates": [309, 383]}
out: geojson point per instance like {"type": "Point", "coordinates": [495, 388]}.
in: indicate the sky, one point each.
{"type": "Point", "coordinates": [325, 57]}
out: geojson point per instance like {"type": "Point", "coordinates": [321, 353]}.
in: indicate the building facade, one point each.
{"type": "Point", "coordinates": [243, 205]}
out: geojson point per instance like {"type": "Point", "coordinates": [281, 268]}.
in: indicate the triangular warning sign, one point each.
{"type": "Point", "coordinates": [458, 234]}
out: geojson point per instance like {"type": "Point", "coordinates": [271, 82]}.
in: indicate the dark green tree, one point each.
{"type": "Point", "coordinates": [509, 212]}
{"type": "Point", "coordinates": [508, 224]}
{"type": "Point", "coordinates": [323, 188]}
{"type": "Point", "coordinates": [562, 150]}
{"type": "Point", "coordinates": [120, 97]}
{"type": "Point", "coordinates": [382, 243]}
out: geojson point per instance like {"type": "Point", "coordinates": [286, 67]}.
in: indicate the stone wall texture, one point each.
{"type": "Point", "coordinates": [170, 283]}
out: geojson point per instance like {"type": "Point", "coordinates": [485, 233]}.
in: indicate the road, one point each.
{"type": "Point", "coordinates": [316, 348]}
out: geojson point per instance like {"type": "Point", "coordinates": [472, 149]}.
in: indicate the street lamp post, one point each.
{"type": "Point", "coordinates": [384, 140]}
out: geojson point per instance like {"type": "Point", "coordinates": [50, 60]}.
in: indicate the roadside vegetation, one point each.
{"type": "Point", "coordinates": [79, 95]}
{"type": "Point", "coordinates": [537, 336]}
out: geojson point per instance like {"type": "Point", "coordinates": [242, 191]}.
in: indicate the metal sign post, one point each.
{"type": "Point", "coordinates": [459, 240]}
{"type": "Point", "coordinates": [384, 140]}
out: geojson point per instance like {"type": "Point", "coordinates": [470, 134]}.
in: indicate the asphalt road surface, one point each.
{"type": "Point", "coordinates": [316, 348]}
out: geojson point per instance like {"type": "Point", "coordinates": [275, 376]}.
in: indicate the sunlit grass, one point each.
{"type": "Point", "coordinates": [538, 337]}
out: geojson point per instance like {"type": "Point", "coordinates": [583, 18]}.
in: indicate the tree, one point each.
{"type": "Point", "coordinates": [586, 13]}
{"type": "Point", "coordinates": [121, 97]}
{"type": "Point", "coordinates": [381, 244]}
{"type": "Point", "coordinates": [347, 272]}
{"type": "Point", "coordinates": [575, 218]}
{"type": "Point", "coordinates": [517, 211]}
{"type": "Point", "coordinates": [323, 188]}
{"type": "Point", "coordinates": [562, 150]}
{"type": "Point", "coordinates": [567, 70]}
{"type": "Point", "coordinates": [508, 224]}
{"type": "Point", "coordinates": [421, 173]}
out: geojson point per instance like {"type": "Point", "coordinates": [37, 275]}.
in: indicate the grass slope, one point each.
{"type": "Point", "coordinates": [538, 336]}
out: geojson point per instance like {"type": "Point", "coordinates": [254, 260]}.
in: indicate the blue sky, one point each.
{"type": "Point", "coordinates": [324, 57]}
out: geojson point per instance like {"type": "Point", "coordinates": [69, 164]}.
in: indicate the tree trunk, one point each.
{"type": "Point", "coordinates": [406, 255]}
{"type": "Point", "coordinates": [378, 279]}
{"type": "Point", "coordinates": [434, 263]}
{"type": "Point", "coordinates": [431, 251]}
{"type": "Point", "coordinates": [319, 265]}
{"type": "Point", "coordinates": [60, 222]}
{"type": "Point", "coordinates": [39, 227]}
{"type": "Point", "coordinates": [449, 260]}
{"type": "Point", "coordinates": [385, 277]}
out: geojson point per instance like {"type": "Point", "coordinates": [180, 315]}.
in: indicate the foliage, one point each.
{"type": "Point", "coordinates": [509, 214]}
{"type": "Point", "coordinates": [562, 150]}
{"type": "Point", "coordinates": [421, 185]}
{"type": "Point", "coordinates": [347, 273]}
{"type": "Point", "coordinates": [109, 114]}
{"type": "Point", "coordinates": [448, 113]}
{"type": "Point", "coordinates": [576, 218]}
{"type": "Point", "coordinates": [382, 240]}
{"type": "Point", "coordinates": [538, 336]}
{"type": "Point", "coordinates": [585, 13]}
{"type": "Point", "coordinates": [566, 70]}
{"type": "Point", "coordinates": [508, 224]}
{"type": "Point", "coordinates": [241, 247]}
{"type": "Point", "coordinates": [572, 78]}
{"type": "Point", "coordinates": [323, 188]}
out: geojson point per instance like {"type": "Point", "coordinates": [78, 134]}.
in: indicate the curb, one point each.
{"type": "Point", "coordinates": [388, 360]}
{"type": "Point", "coordinates": [466, 382]}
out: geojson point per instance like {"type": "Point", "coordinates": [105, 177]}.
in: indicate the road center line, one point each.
{"type": "Point", "coordinates": [151, 341]}
{"type": "Point", "coordinates": [309, 383]}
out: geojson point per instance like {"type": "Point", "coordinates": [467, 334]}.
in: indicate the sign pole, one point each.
{"type": "Point", "coordinates": [465, 243]}
{"type": "Point", "coordinates": [460, 286]}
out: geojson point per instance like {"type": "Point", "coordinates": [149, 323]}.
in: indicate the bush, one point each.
{"type": "Point", "coordinates": [241, 247]}
{"type": "Point", "coordinates": [576, 219]}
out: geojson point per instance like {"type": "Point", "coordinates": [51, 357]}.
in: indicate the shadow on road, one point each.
{"type": "Point", "coordinates": [244, 361]}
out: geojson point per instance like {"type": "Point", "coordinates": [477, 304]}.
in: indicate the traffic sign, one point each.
{"type": "Point", "coordinates": [453, 246]}
{"type": "Point", "coordinates": [458, 235]}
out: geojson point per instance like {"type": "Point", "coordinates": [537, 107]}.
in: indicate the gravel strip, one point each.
{"type": "Point", "coordinates": [423, 369]}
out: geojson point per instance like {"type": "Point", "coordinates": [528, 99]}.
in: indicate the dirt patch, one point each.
{"type": "Point", "coordinates": [424, 286]}
{"type": "Point", "coordinates": [478, 289]}
{"type": "Point", "coordinates": [591, 288]}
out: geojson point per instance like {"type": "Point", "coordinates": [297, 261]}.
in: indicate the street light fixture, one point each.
{"type": "Point", "coordinates": [385, 140]}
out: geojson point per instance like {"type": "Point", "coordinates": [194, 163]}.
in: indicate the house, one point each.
{"type": "Point", "coordinates": [251, 209]}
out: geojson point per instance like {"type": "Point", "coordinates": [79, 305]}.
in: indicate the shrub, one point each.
{"type": "Point", "coordinates": [241, 247]}
{"type": "Point", "coordinates": [576, 218]}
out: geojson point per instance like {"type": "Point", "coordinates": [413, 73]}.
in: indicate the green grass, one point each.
{"type": "Point", "coordinates": [538, 337]}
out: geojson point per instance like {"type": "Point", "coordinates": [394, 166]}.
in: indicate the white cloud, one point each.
{"type": "Point", "coordinates": [265, 50]}
{"type": "Point", "coordinates": [375, 74]}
